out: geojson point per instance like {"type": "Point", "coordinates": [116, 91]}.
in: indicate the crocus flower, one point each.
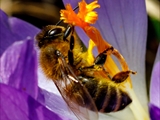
{"type": "Point", "coordinates": [155, 89]}
{"type": "Point", "coordinates": [121, 23]}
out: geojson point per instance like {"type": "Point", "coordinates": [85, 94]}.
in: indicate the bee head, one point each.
{"type": "Point", "coordinates": [49, 34]}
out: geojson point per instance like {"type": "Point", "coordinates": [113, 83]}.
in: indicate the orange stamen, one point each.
{"type": "Point", "coordinates": [86, 12]}
{"type": "Point", "coordinates": [83, 19]}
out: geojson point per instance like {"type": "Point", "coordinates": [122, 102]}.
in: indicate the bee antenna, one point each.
{"type": "Point", "coordinates": [59, 22]}
{"type": "Point", "coordinates": [76, 8]}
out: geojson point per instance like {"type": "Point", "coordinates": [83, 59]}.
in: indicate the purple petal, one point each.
{"type": "Point", "coordinates": [155, 82]}
{"type": "Point", "coordinates": [14, 29]}
{"type": "Point", "coordinates": [19, 67]}
{"type": "Point", "coordinates": [45, 83]}
{"type": "Point", "coordinates": [124, 25]}
{"type": "Point", "coordinates": [56, 104]}
{"type": "Point", "coordinates": [51, 97]}
{"type": "Point", "coordinates": [16, 105]}
{"type": "Point", "coordinates": [154, 112]}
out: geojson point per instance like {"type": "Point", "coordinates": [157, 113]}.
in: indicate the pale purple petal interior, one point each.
{"type": "Point", "coordinates": [56, 104]}
{"type": "Point", "coordinates": [16, 105]}
{"type": "Point", "coordinates": [155, 82]}
{"type": "Point", "coordinates": [52, 97]}
{"type": "Point", "coordinates": [19, 67]}
{"type": "Point", "coordinates": [124, 25]}
{"type": "Point", "coordinates": [14, 29]}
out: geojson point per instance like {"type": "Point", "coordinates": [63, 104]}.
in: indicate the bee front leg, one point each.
{"type": "Point", "coordinates": [68, 36]}
{"type": "Point", "coordinates": [69, 31]}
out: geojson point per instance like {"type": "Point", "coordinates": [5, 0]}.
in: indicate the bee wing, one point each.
{"type": "Point", "coordinates": [75, 94]}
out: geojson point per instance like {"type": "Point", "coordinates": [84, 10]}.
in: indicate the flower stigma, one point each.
{"type": "Point", "coordinates": [84, 18]}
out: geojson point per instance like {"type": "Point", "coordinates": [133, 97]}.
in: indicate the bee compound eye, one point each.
{"type": "Point", "coordinates": [54, 32]}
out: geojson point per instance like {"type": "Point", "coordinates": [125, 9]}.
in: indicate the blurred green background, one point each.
{"type": "Point", "coordinates": [44, 12]}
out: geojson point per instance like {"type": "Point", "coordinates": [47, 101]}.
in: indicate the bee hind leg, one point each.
{"type": "Point", "coordinates": [122, 76]}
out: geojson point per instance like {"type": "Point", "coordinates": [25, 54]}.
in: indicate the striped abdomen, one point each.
{"type": "Point", "coordinates": [107, 97]}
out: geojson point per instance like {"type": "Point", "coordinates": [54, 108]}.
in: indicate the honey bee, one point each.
{"type": "Point", "coordinates": [64, 59]}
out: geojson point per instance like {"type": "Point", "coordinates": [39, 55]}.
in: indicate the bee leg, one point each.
{"type": "Point", "coordinates": [101, 58]}
{"type": "Point", "coordinates": [99, 62]}
{"type": "Point", "coordinates": [70, 57]}
{"type": "Point", "coordinates": [69, 31]}
{"type": "Point", "coordinates": [122, 76]}
{"type": "Point", "coordinates": [70, 53]}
